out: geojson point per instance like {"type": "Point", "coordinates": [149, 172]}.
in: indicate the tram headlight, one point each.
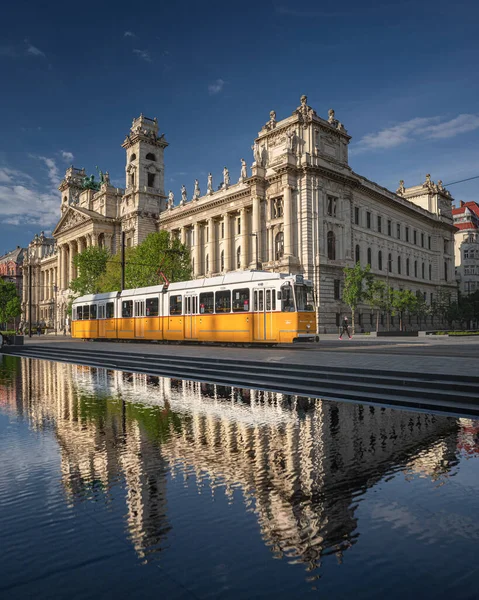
{"type": "Point", "coordinates": [308, 326]}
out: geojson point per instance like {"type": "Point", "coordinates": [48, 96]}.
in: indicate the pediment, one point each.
{"type": "Point", "coordinates": [71, 219]}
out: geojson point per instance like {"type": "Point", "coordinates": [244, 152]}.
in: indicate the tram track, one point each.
{"type": "Point", "coordinates": [438, 392]}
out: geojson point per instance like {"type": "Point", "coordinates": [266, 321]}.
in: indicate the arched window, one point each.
{"type": "Point", "coordinates": [407, 266]}
{"type": "Point", "coordinates": [279, 246]}
{"type": "Point", "coordinates": [369, 257]}
{"type": "Point", "coordinates": [222, 260]}
{"type": "Point", "coordinates": [150, 156]}
{"type": "Point", "coordinates": [380, 260]}
{"type": "Point", "coordinates": [358, 253]}
{"type": "Point", "coordinates": [423, 271]}
{"type": "Point", "coordinates": [207, 264]}
{"type": "Point", "coordinates": [390, 263]}
{"type": "Point", "coordinates": [331, 239]}
{"type": "Point", "coordinates": [415, 268]}
{"type": "Point", "coordinates": [430, 272]}
{"type": "Point", "coordinates": [132, 157]}
{"type": "Point", "coordinates": [238, 257]}
{"type": "Point", "coordinates": [399, 265]}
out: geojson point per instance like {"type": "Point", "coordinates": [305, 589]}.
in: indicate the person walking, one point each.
{"type": "Point", "coordinates": [345, 328]}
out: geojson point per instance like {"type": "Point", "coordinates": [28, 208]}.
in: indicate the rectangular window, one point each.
{"type": "Point", "coordinates": [101, 311]}
{"type": "Point", "coordinates": [175, 305]}
{"type": "Point", "coordinates": [207, 303]}
{"type": "Point", "coordinates": [422, 240]}
{"type": "Point", "coordinates": [222, 229]}
{"type": "Point", "coordinates": [223, 302]}
{"type": "Point", "coordinates": [79, 313]}
{"type": "Point", "coordinates": [127, 308]}
{"type": "Point", "coordinates": [241, 300]}
{"type": "Point", "coordinates": [86, 312]}
{"type": "Point", "coordinates": [239, 225]}
{"type": "Point", "coordinates": [139, 308]}
{"type": "Point", "coordinates": [429, 242]}
{"type": "Point", "coordinates": [398, 231]}
{"type": "Point", "coordinates": [93, 311]}
{"type": "Point", "coordinates": [407, 234]}
{"type": "Point", "coordinates": [151, 180]}
{"type": "Point", "coordinates": [389, 227]}
{"type": "Point", "coordinates": [379, 224]}
{"type": "Point", "coordinates": [268, 300]}
{"type": "Point", "coordinates": [110, 310]}
{"type": "Point", "coordinates": [415, 237]}
{"type": "Point", "coordinates": [337, 289]}
{"type": "Point", "coordinates": [287, 300]}
{"type": "Point", "coordinates": [152, 305]}
{"type": "Point", "coordinates": [356, 215]}
{"type": "Point", "coordinates": [368, 220]}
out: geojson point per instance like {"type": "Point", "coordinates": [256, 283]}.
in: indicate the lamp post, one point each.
{"type": "Point", "coordinates": [255, 235]}
{"type": "Point", "coordinates": [388, 296]}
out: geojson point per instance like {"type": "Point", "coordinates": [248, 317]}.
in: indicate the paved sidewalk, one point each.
{"type": "Point", "coordinates": [454, 356]}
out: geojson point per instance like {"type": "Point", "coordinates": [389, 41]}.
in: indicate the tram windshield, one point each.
{"type": "Point", "coordinates": [304, 298]}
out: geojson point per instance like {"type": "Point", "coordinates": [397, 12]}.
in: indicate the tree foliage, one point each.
{"type": "Point", "coordinates": [357, 282]}
{"type": "Point", "coordinates": [377, 297]}
{"type": "Point", "coordinates": [10, 303]}
{"type": "Point", "coordinates": [91, 264]}
{"type": "Point", "coordinates": [402, 302]}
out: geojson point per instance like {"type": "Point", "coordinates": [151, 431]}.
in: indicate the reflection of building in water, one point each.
{"type": "Point", "coordinates": [299, 462]}
{"type": "Point", "coordinates": [468, 439]}
{"type": "Point", "coordinates": [99, 445]}
{"type": "Point", "coordinates": [10, 384]}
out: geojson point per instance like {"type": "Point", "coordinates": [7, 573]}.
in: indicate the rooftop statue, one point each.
{"type": "Point", "coordinates": [89, 183]}
{"type": "Point", "coordinates": [210, 184]}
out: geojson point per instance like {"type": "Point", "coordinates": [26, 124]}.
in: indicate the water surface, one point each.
{"type": "Point", "coordinates": [116, 485]}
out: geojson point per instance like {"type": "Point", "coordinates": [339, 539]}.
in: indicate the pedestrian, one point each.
{"type": "Point", "coordinates": [345, 328]}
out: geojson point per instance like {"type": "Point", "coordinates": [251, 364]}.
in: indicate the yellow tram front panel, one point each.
{"type": "Point", "coordinates": [125, 328]}
{"type": "Point", "coordinates": [152, 328]}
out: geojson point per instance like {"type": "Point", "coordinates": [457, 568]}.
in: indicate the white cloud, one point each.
{"type": "Point", "coordinates": [143, 54]}
{"type": "Point", "coordinates": [67, 156]}
{"type": "Point", "coordinates": [129, 34]}
{"type": "Point", "coordinates": [33, 50]}
{"type": "Point", "coordinates": [415, 129]}
{"type": "Point", "coordinates": [52, 170]}
{"type": "Point", "coordinates": [216, 87]}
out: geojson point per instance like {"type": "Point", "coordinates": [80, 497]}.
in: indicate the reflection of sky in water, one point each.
{"type": "Point", "coordinates": [198, 488]}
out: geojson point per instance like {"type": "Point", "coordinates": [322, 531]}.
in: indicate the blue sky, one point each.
{"type": "Point", "coordinates": [401, 76]}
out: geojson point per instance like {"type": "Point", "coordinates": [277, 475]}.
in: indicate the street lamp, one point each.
{"type": "Point", "coordinates": [255, 235]}
{"type": "Point", "coordinates": [388, 296]}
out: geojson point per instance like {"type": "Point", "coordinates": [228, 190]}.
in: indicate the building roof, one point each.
{"type": "Point", "coordinates": [15, 255]}
{"type": "Point", "coordinates": [461, 210]}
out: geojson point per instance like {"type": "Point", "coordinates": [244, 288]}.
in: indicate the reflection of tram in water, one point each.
{"type": "Point", "coordinates": [239, 307]}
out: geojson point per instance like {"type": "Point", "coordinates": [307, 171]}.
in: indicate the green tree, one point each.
{"type": "Point", "coordinates": [10, 303]}
{"type": "Point", "coordinates": [377, 297]}
{"type": "Point", "coordinates": [90, 264]}
{"type": "Point", "coordinates": [158, 252]}
{"type": "Point", "coordinates": [357, 282]}
{"type": "Point", "coordinates": [403, 301]}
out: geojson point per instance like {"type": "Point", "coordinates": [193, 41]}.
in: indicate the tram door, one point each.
{"type": "Point", "coordinates": [264, 303]}
{"type": "Point", "coordinates": [191, 310]}
{"type": "Point", "coordinates": [139, 319]}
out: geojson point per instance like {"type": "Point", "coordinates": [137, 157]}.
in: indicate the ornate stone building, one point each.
{"type": "Point", "coordinates": [466, 248]}
{"type": "Point", "coordinates": [11, 267]}
{"type": "Point", "coordinates": [300, 209]}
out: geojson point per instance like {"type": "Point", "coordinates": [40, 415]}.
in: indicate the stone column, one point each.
{"type": "Point", "coordinates": [288, 231]}
{"type": "Point", "coordinates": [195, 249]}
{"type": "Point", "coordinates": [257, 229]}
{"type": "Point", "coordinates": [244, 238]}
{"type": "Point", "coordinates": [212, 246]}
{"type": "Point", "coordinates": [108, 242]}
{"type": "Point", "coordinates": [94, 239]}
{"type": "Point", "coordinates": [270, 244]}
{"type": "Point", "coordinates": [42, 282]}
{"type": "Point", "coordinates": [71, 267]}
{"type": "Point", "coordinates": [183, 235]}
{"type": "Point", "coordinates": [227, 242]}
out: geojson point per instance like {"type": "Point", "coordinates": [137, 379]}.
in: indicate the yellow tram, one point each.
{"type": "Point", "coordinates": [244, 307]}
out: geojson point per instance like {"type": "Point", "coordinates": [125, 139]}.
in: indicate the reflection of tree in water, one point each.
{"type": "Point", "coordinates": [301, 464]}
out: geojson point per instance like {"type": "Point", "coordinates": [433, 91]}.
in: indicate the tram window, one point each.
{"type": "Point", "coordinates": [260, 300]}
{"type": "Point", "coordinates": [152, 307]}
{"type": "Point", "coordinates": [79, 313]}
{"type": "Point", "coordinates": [101, 311]}
{"type": "Point", "coordinates": [304, 298]}
{"type": "Point", "coordinates": [175, 305]}
{"type": "Point", "coordinates": [139, 308]}
{"type": "Point", "coordinates": [241, 300]}
{"type": "Point", "coordinates": [255, 300]}
{"type": "Point", "coordinates": [127, 308]}
{"type": "Point", "coordinates": [207, 303]}
{"type": "Point", "coordinates": [93, 311]}
{"type": "Point", "coordinates": [86, 313]}
{"type": "Point", "coordinates": [110, 310]}
{"type": "Point", "coordinates": [287, 301]}
{"type": "Point", "coordinates": [273, 298]}
{"type": "Point", "coordinates": [268, 299]}
{"type": "Point", "coordinates": [223, 301]}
